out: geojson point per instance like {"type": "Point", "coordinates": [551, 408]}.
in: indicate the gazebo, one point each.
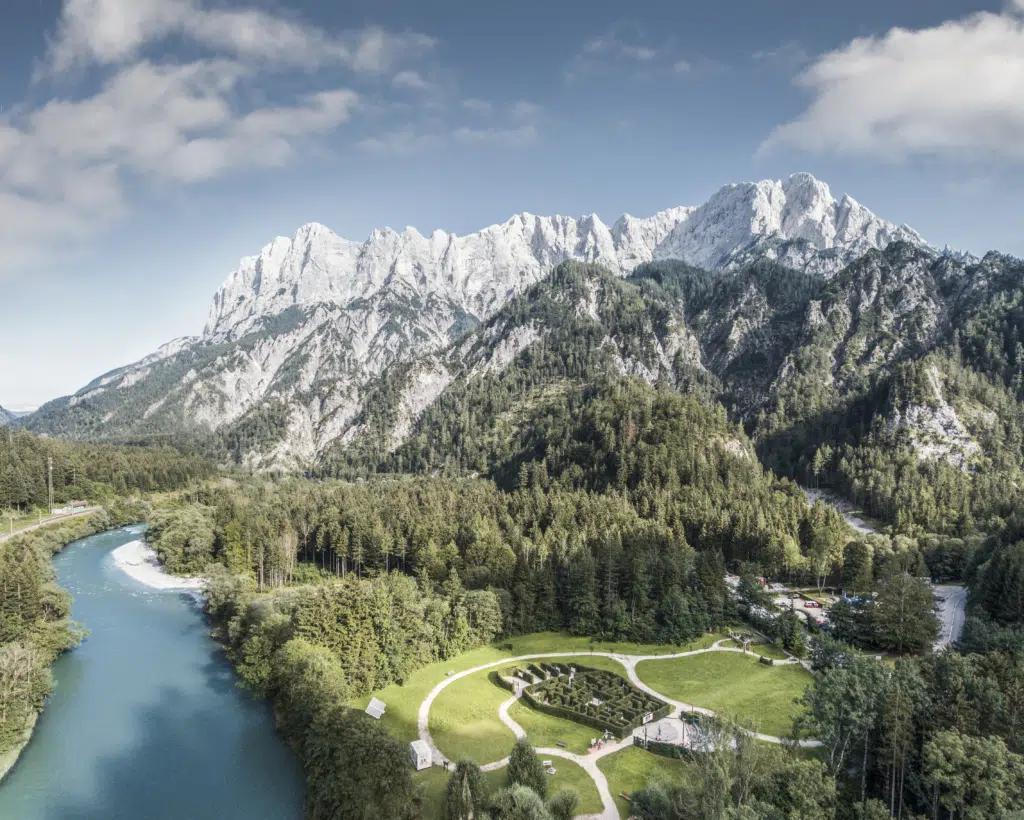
{"type": "Point", "coordinates": [419, 752]}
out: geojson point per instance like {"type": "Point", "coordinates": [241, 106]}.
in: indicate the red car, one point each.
{"type": "Point", "coordinates": [812, 605]}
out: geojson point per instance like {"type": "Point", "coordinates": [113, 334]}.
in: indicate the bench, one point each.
{"type": "Point", "coordinates": [562, 744]}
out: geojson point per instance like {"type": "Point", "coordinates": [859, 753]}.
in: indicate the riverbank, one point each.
{"type": "Point", "coordinates": [52, 536]}
{"type": "Point", "coordinates": [145, 719]}
{"type": "Point", "coordinates": [10, 757]}
{"type": "Point", "coordinates": [139, 561]}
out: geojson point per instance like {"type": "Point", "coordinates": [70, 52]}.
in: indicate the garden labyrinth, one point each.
{"type": "Point", "coordinates": [598, 699]}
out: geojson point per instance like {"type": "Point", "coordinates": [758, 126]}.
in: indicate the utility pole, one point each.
{"type": "Point", "coordinates": [49, 482]}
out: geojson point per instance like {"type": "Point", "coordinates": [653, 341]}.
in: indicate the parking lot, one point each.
{"type": "Point", "coordinates": [804, 607]}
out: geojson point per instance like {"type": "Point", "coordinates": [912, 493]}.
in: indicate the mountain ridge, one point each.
{"type": "Point", "coordinates": [298, 333]}
{"type": "Point", "coordinates": [797, 221]}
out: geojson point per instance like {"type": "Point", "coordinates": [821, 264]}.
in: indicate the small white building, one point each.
{"type": "Point", "coordinates": [419, 752]}
{"type": "Point", "coordinates": [376, 708]}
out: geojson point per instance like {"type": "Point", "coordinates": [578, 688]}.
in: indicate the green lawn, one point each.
{"type": "Point", "coordinates": [633, 770]}
{"type": "Point", "coordinates": [464, 718]}
{"type": "Point", "coordinates": [768, 650]}
{"type": "Point", "coordinates": [434, 781]}
{"type": "Point", "coordinates": [464, 721]}
{"type": "Point", "coordinates": [545, 731]}
{"type": "Point", "coordinates": [403, 701]}
{"type": "Point", "coordinates": [735, 685]}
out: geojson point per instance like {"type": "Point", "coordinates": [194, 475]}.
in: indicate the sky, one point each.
{"type": "Point", "coordinates": [147, 145]}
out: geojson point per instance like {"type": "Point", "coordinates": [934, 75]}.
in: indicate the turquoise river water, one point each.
{"type": "Point", "coordinates": [146, 722]}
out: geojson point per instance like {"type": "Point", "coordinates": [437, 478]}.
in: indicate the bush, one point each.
{"type": "Point", "coordinates": [656, 747]}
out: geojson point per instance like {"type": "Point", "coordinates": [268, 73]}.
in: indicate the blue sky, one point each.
{"type": "Point", "coordinates": [146, 145]}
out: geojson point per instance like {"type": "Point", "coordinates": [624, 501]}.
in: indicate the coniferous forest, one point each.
{"type": "Point", "coordinates": [563, 493]}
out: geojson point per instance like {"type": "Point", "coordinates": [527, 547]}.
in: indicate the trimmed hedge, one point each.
{"type": "Point", "coordinates": [656, 747]}
{"type": "Point", "coordinates": [498, 680]}
{"type": "Point", "coordinates": [666, 749]}
{"type": "Point", "coordinates": [622, 707]}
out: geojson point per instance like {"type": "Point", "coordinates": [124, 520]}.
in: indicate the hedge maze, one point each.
{"type": "Point", "coordinates": [592, 697]}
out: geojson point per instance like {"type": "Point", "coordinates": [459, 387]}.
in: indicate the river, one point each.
{"type": "Point", "coordinates": [146, 722]}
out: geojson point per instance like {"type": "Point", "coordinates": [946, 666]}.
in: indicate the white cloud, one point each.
{"type": "Point", "coordinates": [519, 137]}
{"type": "Point", "coordinates": [67, 166]}
{"type": "Point", "coordinates": [615, 44]}
{"type": "Point", "coordinates": [954, 90]}
{"type": "Point", "coordinates": [63, 168]}
{"type": "Point", "coordinates": [477, 106]}
{"type": "Point", "coordinates": [108, 32]}
{"type": "Point", "coordinates": [625, 49]}
{"type": "Point", "coordinates": [404, 142]}
{"type": "Point", "coordinates": [525, 110]}
{"type": "Point", "coordinates": [410, 80]}
{"type": "Point", "coordinates": [790, 55]}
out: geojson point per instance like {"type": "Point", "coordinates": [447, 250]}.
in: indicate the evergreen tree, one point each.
{"type": "Point", "coordinates": [525, 769]}
{"type": "Point", "coordinates": [466, 793]}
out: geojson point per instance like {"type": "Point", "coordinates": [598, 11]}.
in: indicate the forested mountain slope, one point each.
{"type": "Point", "coordinates": [897, 381]}
{"type": "Point", "coordinates": [87, 471]}
{"type": "Point", "coordinates": [298, 335]}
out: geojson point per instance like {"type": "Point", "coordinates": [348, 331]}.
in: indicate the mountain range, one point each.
{"type": "Point", "coordinates": [320, 346]}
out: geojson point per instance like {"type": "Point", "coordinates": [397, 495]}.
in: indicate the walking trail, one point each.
{"type": "Point", "coordinates": [587, 762]}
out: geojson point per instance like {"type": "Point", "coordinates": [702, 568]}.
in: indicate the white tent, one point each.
{"type": "Point", "coordinates": [419, 751]}
{"type": "Point", "coordinates": [376, 708]}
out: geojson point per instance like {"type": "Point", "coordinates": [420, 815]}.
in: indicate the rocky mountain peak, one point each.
{"type": "Point", "coordinates": [796, 221]}
{"type": "Point", "coordinates": [298, 331]}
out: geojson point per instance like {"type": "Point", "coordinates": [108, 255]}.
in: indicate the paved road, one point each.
{"type": "Point", "coordinates": [844, 508]}
{"type": "Point", "coordinates": [47, 521]}
{"type": "Point", "coordinates": [952, 603]}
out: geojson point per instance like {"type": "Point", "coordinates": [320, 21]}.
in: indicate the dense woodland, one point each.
{"type": "Point", "coordinates": [556, 495]}
{"type": "Point", "coordinates": [625, 531]}
{"type": "Point", "coordinates": [91, 472]}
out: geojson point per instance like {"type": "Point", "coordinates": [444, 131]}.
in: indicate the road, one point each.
{"type": "Point", "coordinates": [844, 508]}
{"type": "Point", "coordinates": [952, 610]}
{"type": "Point", "coordinates": [47, 521]}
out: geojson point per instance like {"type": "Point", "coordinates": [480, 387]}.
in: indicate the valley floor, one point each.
{"type": "Point", "coordinates": [456, 709]}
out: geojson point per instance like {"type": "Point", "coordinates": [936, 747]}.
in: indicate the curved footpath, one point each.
{"type": "Point", "coordinates": [587, 762]}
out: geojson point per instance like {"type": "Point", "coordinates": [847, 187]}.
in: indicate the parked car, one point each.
{"type": "Point", "coordinates": [812, 605]}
